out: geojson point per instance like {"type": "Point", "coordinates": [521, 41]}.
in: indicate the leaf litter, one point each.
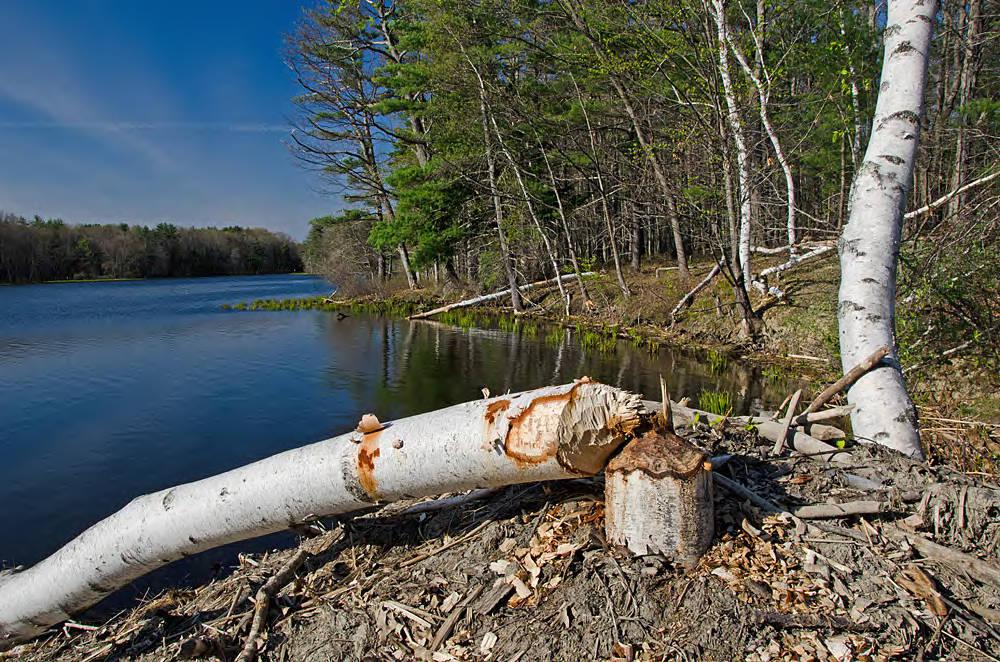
{"type": "Point", "coordinates": [524, 573]}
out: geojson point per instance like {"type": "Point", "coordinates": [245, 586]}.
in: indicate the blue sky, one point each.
{"type": "Point", "coordinates": [148, 111]}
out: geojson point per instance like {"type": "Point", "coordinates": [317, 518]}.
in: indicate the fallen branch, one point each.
{"type": "Point", "coordinates": [764, 250]}
{"type": "Point", "coordinates": [834, 510]}
{"type": "Point", "coordinates": [816, 416]}
{"type": "Point", "coordinates": [803, 443]}
{"type": "Point", "coordinates": [494, 296]}
{"type": "Point", "coordinates": [845, 382]}
{"type": "Point", "coordinates": [824, 432]}
{"type": "Point", "coordinates": [779, 443]}
{"type": "Point", "coordinates": [262, 602]}
{"type": "Point", "coordinates": [926, 209]}
{"type": "Point", "coordinates": [559, 432]}
{"type": "Point", "coordinates": [987, 573]}
{"type": "Point", "coordinates": [794, 261]}
{"type": "Point", "coordinates": [689, 297]}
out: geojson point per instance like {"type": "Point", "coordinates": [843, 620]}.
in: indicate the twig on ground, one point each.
{"type": "Point", "coordinates": [265, 594]}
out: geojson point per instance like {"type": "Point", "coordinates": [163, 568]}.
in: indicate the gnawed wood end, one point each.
{"type": "Point", "coordinates": [658, 496]}
{"type": "Point", "coordinates": [579, 425]}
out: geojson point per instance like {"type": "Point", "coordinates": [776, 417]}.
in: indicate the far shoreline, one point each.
{"type": "Point", "coordinates": [66, 281]}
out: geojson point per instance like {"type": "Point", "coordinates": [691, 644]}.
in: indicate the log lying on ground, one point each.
{"type": "Point", "coordinates": [561, 432]}
{"type": "Point", "coordinates": [794, 261]}
{"type": "Point", "coordinates": [689, 297]}
{"type": "Point", "coordinates": [768, 429]}
{"type": "Point", "coordinates": [550, 433]}
{"type": "Point", "coordinates": [494, 296]}
{"type": "Point", "coordinates": [848, 380]}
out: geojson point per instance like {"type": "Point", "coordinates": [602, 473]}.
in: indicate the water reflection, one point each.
{"type": "Point", "coordinates": [108, 391]}
{"type": "Point", "coordinates": [424, 365]}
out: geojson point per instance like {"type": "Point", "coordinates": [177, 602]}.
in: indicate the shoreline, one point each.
{"type": "Point", "coordinates": [68, 281]}
{"type": "Point", "coordinates": [799, 339]}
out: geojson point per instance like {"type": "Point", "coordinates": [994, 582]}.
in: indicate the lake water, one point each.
{"type": "Point", "coordinates": [112, 390]}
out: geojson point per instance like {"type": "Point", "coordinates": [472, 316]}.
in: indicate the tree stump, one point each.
{"type": "Point", "coordinates": [658, 495]}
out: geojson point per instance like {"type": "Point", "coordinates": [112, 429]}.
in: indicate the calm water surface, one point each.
{"type": "Point", "coordinates": [112, 390]}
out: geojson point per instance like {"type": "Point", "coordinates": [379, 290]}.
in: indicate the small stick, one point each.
{"type": "Point", "coordinates": [779, 443]}
{"type": "Point", "coordinates": [985, 572]}
{"type": "Point", "coordinates": [781, 407]}
{"type": "Point", "coordinates": [668, 414]}
{"type": "Point", "coordinates": [851, 376]}
{"type": "Point", "coordinates": [820, 416]}
{"type": "Point", "coordinates": [449, 624]}
{"type": "Point", "coordinates": [263, 601]}
{"type": "Point", "coordinates": [769, 507]}
{"type": "Point", "coordinates": [457, 541]}
{"type": "Point", "coordinates": [848, 509]}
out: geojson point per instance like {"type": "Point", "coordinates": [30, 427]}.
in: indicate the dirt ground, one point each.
{"type": "Point", "coordinates": [524, 573]}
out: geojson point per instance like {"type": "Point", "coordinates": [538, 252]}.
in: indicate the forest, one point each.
{"type": "Point", "coordinates": [483, 144]}
{"type": "Point", "coordinates": [44, 250]}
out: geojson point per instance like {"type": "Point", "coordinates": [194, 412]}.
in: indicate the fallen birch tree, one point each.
{"type": "Point", "coordinates": [689, 297]}
{"type": "Point", "coordinates": [552, 433]}
{"type": "Point", "coordinates": [494, 296]}
{"type": "Point", "coordinates": [760, 281]}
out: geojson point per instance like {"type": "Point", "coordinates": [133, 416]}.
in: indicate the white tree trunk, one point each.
{"type": "Point", "coordinates": [493, 297]}
{"type": "Point", "coordinates": [718, 11]}
{"type": "Point", "coordinates": [531, 212]}
{"type": "Point", "coordinates": [869, 247]}
{"type": "Point", "coordinates": [549, 433]}
{"type": "Point", "coordinates": [763, 96]}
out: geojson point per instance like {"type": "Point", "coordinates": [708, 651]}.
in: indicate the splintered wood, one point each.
{"type": "Point", "coordinates": [658, 494]}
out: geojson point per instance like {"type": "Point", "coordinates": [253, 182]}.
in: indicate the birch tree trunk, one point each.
{"type": "Point", "coordinates": [661, 178]}
{"type": "Point", "coordinates": [550, 433]}
{"type": "Point", "coordinates": [968, 37]}
{"type": "Point", "coordinates": [565, 225]}
{"type": "Point", "coordinates": [718, 11]}
{"type": "Point", "coordinates": [531, 212]}
{"type": "Point", "coordinates": [869, 246]}
{"type": "Point", "coordinates": [763, 95]}
{"type": "Point", "coordinates": [622, 285]}
{"type": "Point", "coordinates": [491, 167]}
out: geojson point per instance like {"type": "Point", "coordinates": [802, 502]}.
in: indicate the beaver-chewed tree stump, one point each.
{"type": "Point", "coordinates": [659, 498]}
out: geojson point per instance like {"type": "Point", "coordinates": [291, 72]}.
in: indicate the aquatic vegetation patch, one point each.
{"type": "Point", "coordinates": [716, 402]}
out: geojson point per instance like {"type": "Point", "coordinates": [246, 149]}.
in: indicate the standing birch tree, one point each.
{"type": "Point", "coordinates": [869, 246]}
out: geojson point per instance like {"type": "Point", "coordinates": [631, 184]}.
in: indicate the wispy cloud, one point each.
{"type": "Point", "coordinates": [118, 125]}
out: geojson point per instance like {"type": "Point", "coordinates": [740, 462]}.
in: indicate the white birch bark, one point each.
{"type": "Point", "coordinates": [869, 246]}
{"type": "Point", "coordinates": [718, 11]}
{"type": "Point", "coordinates": [505, 256]}
{"type": "Point", "coordinates": [531, 212]}
{"type": "Point", "coordinates": [763, 96]}
{"type": "Point", "coordinates": [494, 296]}
{"type": "Point", "coordinates": [550, 433]}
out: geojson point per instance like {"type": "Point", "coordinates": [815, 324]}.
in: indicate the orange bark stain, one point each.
{"type": "Point", "coordinates": [367, 452]}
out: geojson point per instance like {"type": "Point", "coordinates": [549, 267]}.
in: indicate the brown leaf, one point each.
{"type": "Point", "coordinates": [921, 585]}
